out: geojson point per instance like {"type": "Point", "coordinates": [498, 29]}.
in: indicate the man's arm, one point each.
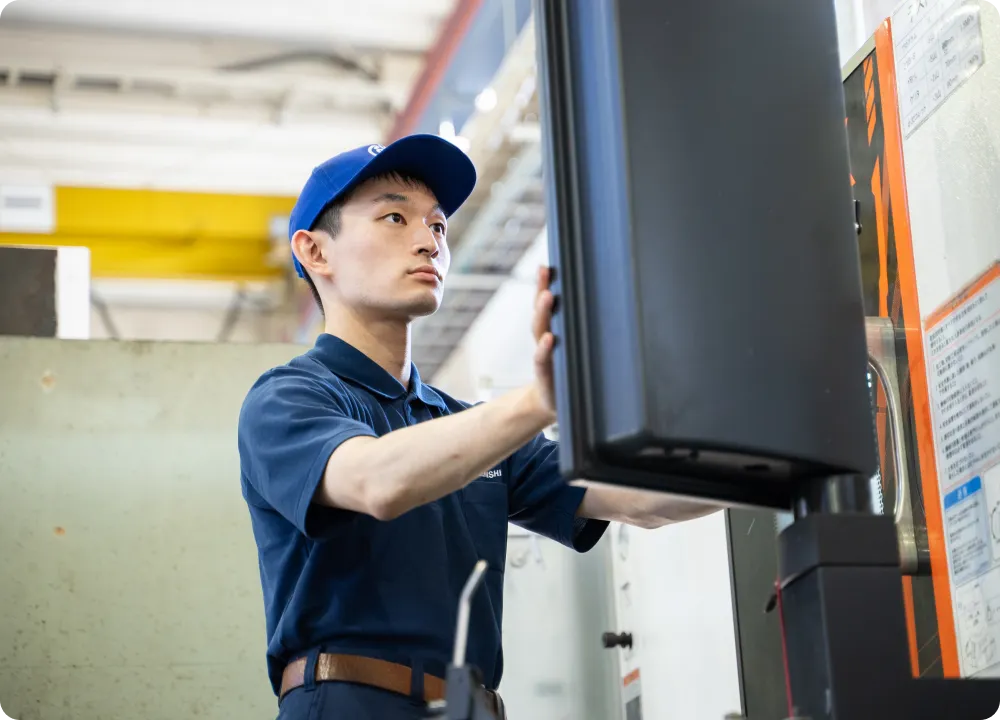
{"type": "Point", "coordinates": [388, 476]}
{"type": "Point", "coordinates": [639, 508]}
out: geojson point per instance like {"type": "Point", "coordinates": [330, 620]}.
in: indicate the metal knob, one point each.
{"type": "Point", "coordinates": [611, 640]}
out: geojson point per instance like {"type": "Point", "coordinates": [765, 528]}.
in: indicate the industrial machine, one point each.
{"type": "Point", "coordinates": [711, 329]}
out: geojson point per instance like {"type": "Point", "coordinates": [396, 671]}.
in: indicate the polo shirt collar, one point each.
{"type": "Point", "coordinates": [345, 360]}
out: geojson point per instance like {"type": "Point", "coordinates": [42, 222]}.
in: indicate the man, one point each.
{"type": "Point", "coordinates": [372, 494]}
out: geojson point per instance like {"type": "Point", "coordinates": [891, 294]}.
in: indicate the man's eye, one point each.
{"type": "Point", "coordinates": [439, 228]}
{"type": "Point", "coordinates": [394, 218]}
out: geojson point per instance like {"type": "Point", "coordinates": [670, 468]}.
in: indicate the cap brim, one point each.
{"type": "Point", "coordinates": [444, 168]}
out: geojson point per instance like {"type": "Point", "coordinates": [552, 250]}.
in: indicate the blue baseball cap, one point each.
{"type": "Point", "coordinates": [444, 168]}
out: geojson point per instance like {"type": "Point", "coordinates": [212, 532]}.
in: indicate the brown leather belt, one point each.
{"type": "Point", "coordinates": [373, 672]}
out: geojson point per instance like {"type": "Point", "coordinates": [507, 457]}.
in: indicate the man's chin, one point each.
{"type": "Point", "coordinates": [421, 308]}
{"type": "Point", "coordinates": [424, 310]}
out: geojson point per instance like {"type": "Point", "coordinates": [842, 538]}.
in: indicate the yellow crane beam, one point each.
{"type": "Point", "coordinates": [156, 234]}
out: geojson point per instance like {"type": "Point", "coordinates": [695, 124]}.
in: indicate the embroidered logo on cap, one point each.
{"type": "Point", "coordinates": [375, 149]}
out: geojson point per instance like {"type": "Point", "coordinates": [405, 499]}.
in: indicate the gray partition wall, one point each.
{"type": "Point", "coordinates": [128, 575]}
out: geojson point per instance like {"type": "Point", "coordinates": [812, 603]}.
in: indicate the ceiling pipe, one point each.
{"type": "Point", "coordinates": [438, 59]}
{"type": "Point", "coordinates": [327, 58]}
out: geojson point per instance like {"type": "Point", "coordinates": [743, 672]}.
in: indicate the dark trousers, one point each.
{"type": "Point", "coordinates": [344, 701]}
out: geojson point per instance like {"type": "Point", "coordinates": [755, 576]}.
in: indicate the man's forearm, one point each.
{"type": "Point", "coordinates": [639, 508]}
{"type": "Point", "coordinates": [388, 476]}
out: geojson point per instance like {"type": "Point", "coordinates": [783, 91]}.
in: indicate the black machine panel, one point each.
{"type": "Point", "coordinates": [710, 328]}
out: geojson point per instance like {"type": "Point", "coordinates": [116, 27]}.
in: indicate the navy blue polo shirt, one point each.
{"type": "Point", "coordinates": [346, 582]}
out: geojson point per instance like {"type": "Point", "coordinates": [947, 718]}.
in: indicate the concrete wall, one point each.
{"type": "Point", "coordinates": [128, 575]}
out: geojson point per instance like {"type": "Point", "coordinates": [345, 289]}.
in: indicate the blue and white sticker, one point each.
{"type": "Point", "coordinates": [968, 530]}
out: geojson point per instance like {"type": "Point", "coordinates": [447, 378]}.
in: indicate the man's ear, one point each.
{"type": "Point", "coordinates": [307, 246]}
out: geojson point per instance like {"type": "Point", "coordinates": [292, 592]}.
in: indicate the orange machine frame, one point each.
{"type": "Point", "coordinates": [889, 278]}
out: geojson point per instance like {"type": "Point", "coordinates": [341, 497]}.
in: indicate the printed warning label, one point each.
{"type": "Point", "coordinates": [968, 529]}
{"type": "Point", "coordinates": [964, 374]}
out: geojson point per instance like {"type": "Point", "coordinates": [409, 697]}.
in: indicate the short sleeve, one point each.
{"type": "Point", "coordinates": [289, 426]}
{"type": "Point", "coordinates": [543, 502]}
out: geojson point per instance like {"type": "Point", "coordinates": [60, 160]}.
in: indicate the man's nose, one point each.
{"type": "Point", "coordinates": [426, 242]}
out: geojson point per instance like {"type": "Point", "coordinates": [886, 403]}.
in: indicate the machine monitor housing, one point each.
{"type": "Point", "coordinates": [709, 324]}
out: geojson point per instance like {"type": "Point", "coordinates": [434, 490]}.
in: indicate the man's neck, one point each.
{"type": "Point", "coordinates": [386, 342]}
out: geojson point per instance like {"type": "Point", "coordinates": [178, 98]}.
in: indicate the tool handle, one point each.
{"type": "Point", "coordinates": [464, 608]}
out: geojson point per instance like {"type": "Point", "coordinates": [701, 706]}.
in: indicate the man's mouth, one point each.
{"type": "Point", "coordinates": [427, 274]}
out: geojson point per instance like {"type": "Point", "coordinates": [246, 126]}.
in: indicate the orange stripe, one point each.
{"type": "Point", "coordinates": [869, 99]}
{"type": "Point", "coordinates": [911, 615]}
{"type": "Point", "coordinates": [911, 625]}
{"type": "Point", "coordinates": [915, 350]}
{"type": "Point", "coordinates": [871, 113]}
{"type": "Point", "coordinates": [952, 305]}
{"type": "Point", "coordinates": [631, 678]}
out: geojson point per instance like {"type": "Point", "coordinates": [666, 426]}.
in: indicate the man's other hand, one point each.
{"type": "Point", "coordinates": [541, 328]}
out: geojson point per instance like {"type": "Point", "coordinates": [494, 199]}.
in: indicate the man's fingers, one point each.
{"type": "Point", "coordinates": [543, 314]}
{"type": "Point", "coordinates": [544, 278]}
{"type": "Point", "coordinates": [543, 353]}
{"type": "Point", "coordinates": [544, 372]}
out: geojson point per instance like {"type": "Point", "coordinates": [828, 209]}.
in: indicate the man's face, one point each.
{"type": "Point", "coordinates": [391, 254]}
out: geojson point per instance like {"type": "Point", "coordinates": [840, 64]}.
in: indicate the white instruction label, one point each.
{"type": "Point", "coordinates": [967, 528]}
{"type": "Point", "coordinates": [964, 373]}
{"type": "Point", "coordinates": [938, 45]}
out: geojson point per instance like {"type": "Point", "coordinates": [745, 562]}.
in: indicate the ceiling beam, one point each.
{"type": "Point", "coordinates": [374, 24]}
{"type": "Point", "coordinates": [183, 69]}
{"type": "Point", "coordinates": [182, 154]}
